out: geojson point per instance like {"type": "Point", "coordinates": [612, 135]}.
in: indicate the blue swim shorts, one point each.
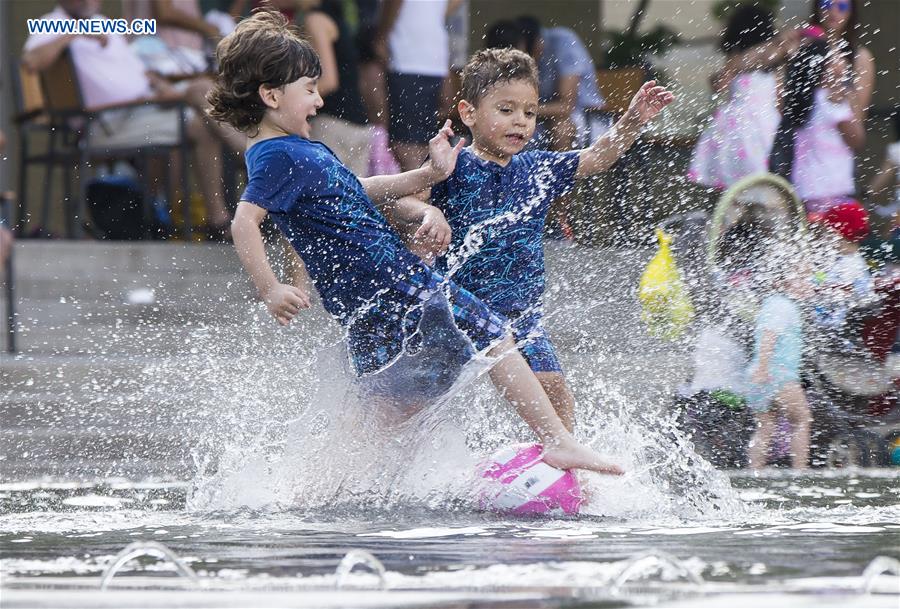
{"type": "Point", "coordinates": [535, 345]}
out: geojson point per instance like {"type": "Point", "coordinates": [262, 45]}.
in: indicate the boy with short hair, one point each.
{"type": "Point", "coordinates": [377, 289]}
{"type": "Point", "coordinates": [497, 199]}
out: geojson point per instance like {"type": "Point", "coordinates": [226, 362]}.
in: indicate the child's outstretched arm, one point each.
{"type": "Point", "coordinates": [283, 301]}
{"type": "Point", "coordinates": [602, 154]}
{"type": "Point", "coordinates": [440, 164]}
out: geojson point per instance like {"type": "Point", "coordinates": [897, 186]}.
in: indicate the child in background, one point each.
{"type": "Point", "coordinates": [737, 142]}
{"type": "Point", "coordinates": [773, 376]}
{"type": "Point", "coordinates": [498, 198]}
{"type": "Point", "coordinates": [847, 282]}
{"type": "Point", "coordinates": [375, 287]}
{"type": "Point", "coordinates": [812, 148]}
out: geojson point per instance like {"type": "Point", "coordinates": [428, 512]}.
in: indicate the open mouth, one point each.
{"type": "Point", "coordinates": [515, 138]}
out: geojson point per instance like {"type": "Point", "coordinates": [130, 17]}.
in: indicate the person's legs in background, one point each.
{"type": "Point", "coordinates": [758, 450]}
{"type": "Point", "coordinates": [799, 416]}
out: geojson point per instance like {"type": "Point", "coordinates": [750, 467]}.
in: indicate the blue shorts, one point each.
{"type": "Point", "coordinates": [413, 101]}
{"type": "Point", "coordinates": [393, 323]}
{"type": "Point", "coordinates": [431, 362]}
{"type": "Point", "coordinates": [535, 346]}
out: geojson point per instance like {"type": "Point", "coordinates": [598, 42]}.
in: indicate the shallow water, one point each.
{"type": "Point", "coordinates": [812, 534]}
{"type": "Point", "coordinates": [182, 433]}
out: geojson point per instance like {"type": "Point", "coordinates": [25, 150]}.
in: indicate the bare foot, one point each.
{"type": "Point", "coordinates": [568, 454]}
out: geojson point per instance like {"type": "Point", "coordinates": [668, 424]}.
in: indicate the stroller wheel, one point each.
{"type": "Point", "coordinates": [855, 449]}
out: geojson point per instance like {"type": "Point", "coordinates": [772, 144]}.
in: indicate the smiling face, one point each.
{"type": "Point", "coordinates": [503, 120]}
{"type": "Point", "coordinates": [291, 106]}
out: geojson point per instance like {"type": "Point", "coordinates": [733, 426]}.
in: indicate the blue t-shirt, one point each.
{"type": "Point", "coordinates": [497, 216]}
{"type": "Point", "coordinates": [781, 316]}
{"type": "Point", "coordinates": [364, 274]}
{"type": "Point", "coordinates": [348, 248]}
{"type": "Point", "coordinates": [564, 54]}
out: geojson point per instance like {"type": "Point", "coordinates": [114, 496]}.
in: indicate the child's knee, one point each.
{"type": "Point", "coordinates": [504, 347]}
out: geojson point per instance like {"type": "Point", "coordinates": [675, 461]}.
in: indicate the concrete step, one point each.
{"type": "Point", "coordinates": [60, 259]}
{"type": "Point", "coordinates": [77, 469]}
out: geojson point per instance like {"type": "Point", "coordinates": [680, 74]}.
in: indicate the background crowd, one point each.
{"type": "Point", "coordinates": [391, 73]}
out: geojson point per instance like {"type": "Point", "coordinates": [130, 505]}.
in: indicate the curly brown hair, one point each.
{"type": "Point", "coordinates": [490, 67]}
{"type": "Point", "coordinates": [262, 50]}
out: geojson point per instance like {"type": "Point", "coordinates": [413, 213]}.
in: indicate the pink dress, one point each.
{"type": "Point", "coordinates": [823, 162]}
{"type": "Point", "coordinates": [737, 141]}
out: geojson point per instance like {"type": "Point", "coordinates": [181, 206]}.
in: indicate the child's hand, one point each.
{"type": "Point", "coordinates": [432, 237]}
{"type": "Point", "coordinates": [285, 301]}
{"type": "Point", "coordinates": [442, 156]}
{"type": "Point", "coordinates": [649, 101]}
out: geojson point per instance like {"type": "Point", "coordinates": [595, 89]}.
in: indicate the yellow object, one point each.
{"type": "Point", "coordinates": [667, 308]}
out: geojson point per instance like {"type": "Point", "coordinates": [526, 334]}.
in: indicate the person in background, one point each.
{"type": "Point", "coordinates": [813, 146]}
{"type": "Point", "coordinates": [840, 21]}
{"type": "Point", "coordinates": [180, 23]}
{"type": "Point", "coordinates": [412, 41]}
{"type": "Point", "coordinates": [737, 142]}
{"type": "Point", "coordinates": [242, 8]}
{"type": "Point", "coordinates": [568, 83]}
{"type": "Point", "coordinates": [110, 72]}
{"type": "Point", "coordinates": [773, 375]}
{"type": "Point", "coordinates": [342, 122]}
{"type": "Point", "coordinates": [373, 88]}
{"type": "Point", "coordinates": [847, 282]}
{"type": "Point", "coordinates": [888, 177]}
{"type": "Point", "coordinates": [568, 90]}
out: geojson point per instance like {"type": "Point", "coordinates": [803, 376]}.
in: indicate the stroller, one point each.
{"type": "Point", "coordinates": [853, 392]}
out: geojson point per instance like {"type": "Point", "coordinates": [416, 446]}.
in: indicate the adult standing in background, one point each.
{"type": "Point", "coordinates": [840, 20]}
{"type": "Point", "coordinates": [412, 39]}
{"type": "Point", "coordinates": [341, 123]}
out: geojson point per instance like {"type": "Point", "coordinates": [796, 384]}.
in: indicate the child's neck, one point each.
{"type": "Point", "coordinates": [485, 154]}
{"type": "Point", "coordinates": [267, 131]}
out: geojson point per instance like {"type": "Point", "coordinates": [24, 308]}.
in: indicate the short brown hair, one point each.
{"type": "Point", "coordinates": [262, 50]}
{"type": "Point", "coordinates": [491, 67]}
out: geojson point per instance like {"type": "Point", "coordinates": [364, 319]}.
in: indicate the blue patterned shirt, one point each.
{"type": "Point", "coordinates": [497, 215]}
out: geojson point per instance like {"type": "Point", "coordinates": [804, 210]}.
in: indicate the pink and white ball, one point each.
{"type": "Point", "coordinates": [520, 483]}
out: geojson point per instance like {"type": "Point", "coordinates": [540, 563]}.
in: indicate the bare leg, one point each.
{"type": "Point", "coordinates": [797, 409]}
{"type": "Point", "coordinates": [759, 444]}
{"type": "Point", "coordinates": [410, 156]}
{"type": "Point", "coordinates": [518, 384]}
{"type": "Point", "coordinates": [208, 164]}
{"type": "Point", "coordinates": [554, 384]}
